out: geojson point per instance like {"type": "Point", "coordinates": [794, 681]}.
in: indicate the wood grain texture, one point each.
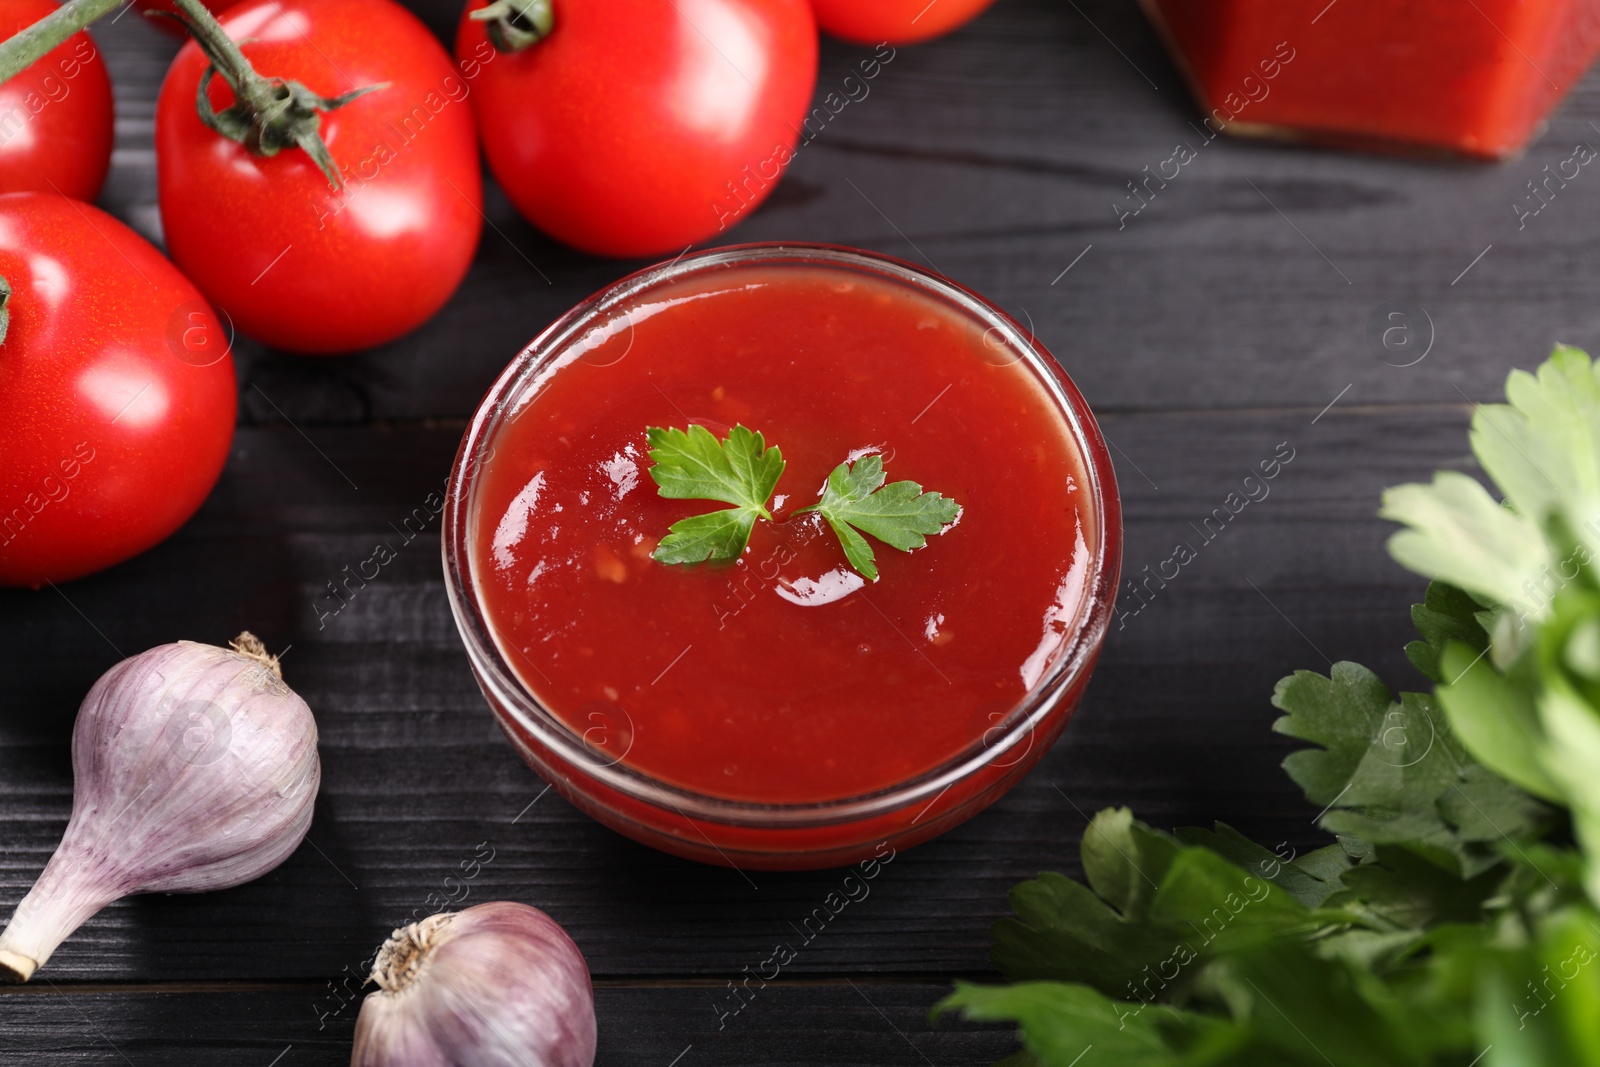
{"type": "Point", "coordinates": [1218, 324]}
{"type": "Point", "coordinates": [847, 1024]}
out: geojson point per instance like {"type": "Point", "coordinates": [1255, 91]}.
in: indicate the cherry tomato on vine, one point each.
{"type": "Point", "coordinates": [55, 117]}
{"type": "Point", "coordinates": [117, 392]}
{"type": "Point", "coordinates": [637, 127]}
{"type": "Point", "coordinates": [293, 261]}
{"type": "Point", "coordinates": [894, 21]}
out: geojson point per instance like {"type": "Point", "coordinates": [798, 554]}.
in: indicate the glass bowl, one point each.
{"type": "Point", "coordinates": [740, 834]}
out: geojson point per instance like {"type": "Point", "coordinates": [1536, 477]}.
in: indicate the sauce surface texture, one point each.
{"type": "Point", "coordinates": [780, 678]}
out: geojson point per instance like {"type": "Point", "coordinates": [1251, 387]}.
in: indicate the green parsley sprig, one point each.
{"type": "Point", "coordinates": [899, 514]}
{"type": "Point", "coordinates": [693, 465]}
{"type": "Point", "coordinates": [741, 470]}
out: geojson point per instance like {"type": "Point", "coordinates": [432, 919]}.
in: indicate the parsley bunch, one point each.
{"type": "Point", "coordinates": [741, 470]}
{"type": "Point", "coordinates": [1449, 922]}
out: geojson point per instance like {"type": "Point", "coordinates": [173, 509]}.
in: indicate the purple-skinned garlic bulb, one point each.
{"type": "Point", "coordinates": [194, 768]}
{"type": "Point", "coordinates": [496, 985]}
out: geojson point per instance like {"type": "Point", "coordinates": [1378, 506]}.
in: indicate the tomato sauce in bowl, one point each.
{"type": "Point", "coordinates": [780, 710]}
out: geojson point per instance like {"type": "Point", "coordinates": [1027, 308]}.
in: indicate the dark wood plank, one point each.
{"type": "Point", "coordinates": [416, 774]}
{"type": "Point", "coordinates": [871, 1024]}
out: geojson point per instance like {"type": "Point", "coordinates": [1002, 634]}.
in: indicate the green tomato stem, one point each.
{"type": "Point", "coordinates": [224, 54]}
{"type": "Point", "coordinates": [19, 53]}
{"type": "Point", "coordinates": [268, 114]}
{"type": "Point", "coordinates": [5, 308]}
{"type": "Point", "coordinates": [516, 24]}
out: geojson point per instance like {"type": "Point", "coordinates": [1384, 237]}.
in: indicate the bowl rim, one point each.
{"type": "Point", "coordinates": [507, 696]}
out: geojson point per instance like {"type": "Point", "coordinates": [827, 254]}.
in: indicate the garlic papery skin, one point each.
{"type": "Point", "coordinates": [496, 985]}
{"type": "Point", "coordinates": [194, 768]}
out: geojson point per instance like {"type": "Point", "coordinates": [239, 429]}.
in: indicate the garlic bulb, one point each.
{"type": "Point", "coordinates": [496, 985]}
{"type": "Point", "coordinates": [194, 768]}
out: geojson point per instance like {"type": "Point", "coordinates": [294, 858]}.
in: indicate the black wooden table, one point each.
{"type": "Point", "coordinates": [1229, 317]}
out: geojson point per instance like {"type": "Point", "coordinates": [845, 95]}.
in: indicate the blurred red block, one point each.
{"type": "Point", "coordinates": [1476, 77]}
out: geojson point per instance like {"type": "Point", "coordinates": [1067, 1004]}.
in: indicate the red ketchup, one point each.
{"type": "Point", "coordinates": [784, 678]}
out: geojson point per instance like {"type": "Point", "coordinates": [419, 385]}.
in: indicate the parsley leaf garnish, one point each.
{"type": "Point", "coordinates": [741, 470]}
{"type": "Point", "coordinates": [899, 514]}
{"type": "Point", "coordinates": [693, 465]}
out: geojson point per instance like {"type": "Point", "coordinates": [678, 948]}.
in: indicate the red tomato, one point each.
{"type": "Point", "coordinates": [55, 117]}
{"type": "Point", "coordinates": [295, 263]}
{"type": "Point", "coordinates": [638, 127]}
{"type": "Point", "coordinates": [116, 392]}
{"type": "Point", "coordinates": [894, 21]}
